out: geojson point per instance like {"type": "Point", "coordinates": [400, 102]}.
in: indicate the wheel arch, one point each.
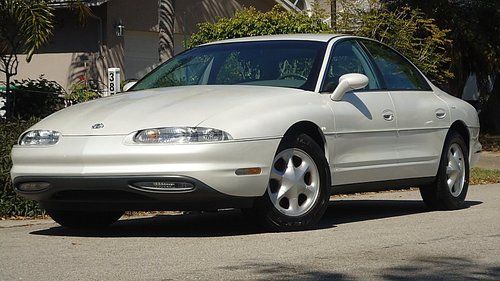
{"type": "Point", "coordinates": [460, 127]}
{"type": "Point", "coordinates": [312, 130]}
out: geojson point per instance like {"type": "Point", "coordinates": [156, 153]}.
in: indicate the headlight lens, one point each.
{"type": "Point", "coordinates": [181, 135]}
{"type": "Point", "coordinates": [40, 137]}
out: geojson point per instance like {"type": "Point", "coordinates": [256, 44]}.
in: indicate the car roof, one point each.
{"type": "Point", "coordinates": [321, 37]}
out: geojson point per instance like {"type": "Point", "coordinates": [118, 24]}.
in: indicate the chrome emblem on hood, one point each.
{"type": "Point", "coordinates": [98, 126]}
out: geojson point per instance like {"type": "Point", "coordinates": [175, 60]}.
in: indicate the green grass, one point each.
{"type": "Point", "coordinates": [484, 176]}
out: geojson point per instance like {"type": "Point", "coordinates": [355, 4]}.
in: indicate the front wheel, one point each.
{"type": "Point", "coordinates": [83, 219]}
{"type": "Point", "coordinates": [298, 191]}
{"type": "Point", "coordinates": [452, 181]}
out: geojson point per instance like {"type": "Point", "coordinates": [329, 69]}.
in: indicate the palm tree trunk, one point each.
{"type": "Point", "coordinates": [166, 17]}
{"type": "Point", "coordinates": [8, 97]}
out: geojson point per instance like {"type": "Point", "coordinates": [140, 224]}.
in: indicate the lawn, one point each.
{"type": "Point", "coordinates": [484, 176]}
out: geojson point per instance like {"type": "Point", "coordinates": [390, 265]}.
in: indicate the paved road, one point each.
{"type": "Point", "coordinates": [387, 236]}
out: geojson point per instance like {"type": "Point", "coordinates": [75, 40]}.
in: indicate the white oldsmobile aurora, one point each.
{"type": "Point", "coordinates": [273, 125]}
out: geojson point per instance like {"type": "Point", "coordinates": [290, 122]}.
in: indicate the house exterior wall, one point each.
{"type": "Point", "coordinates": [189, 13]}
{"type": "Point", "coordinates": [86, 51]}
{"type": "Point", "coordinates": [69, 55]}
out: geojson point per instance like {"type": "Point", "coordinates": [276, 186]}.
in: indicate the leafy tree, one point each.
{"type": "Point", "coordinates": [474, 28]}
{"type": "Point", "coordinates": [405, 29]}
{"type": "Point", "coordinates": [25, 25]}
{"type": "Point", "coordinates": [414, 35]}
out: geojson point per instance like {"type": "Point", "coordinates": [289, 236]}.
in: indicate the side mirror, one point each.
{"type": "Point", "coordinates": [129, 85]}
{"type": "Point", "coordinates": [349, 82]}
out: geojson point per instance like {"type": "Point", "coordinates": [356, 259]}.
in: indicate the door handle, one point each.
{"type": "Point", "coordinates": [440, 113]}
{"type": "Point", "coordinates": [388, 115]}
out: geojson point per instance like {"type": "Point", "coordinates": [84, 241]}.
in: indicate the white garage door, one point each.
{"type": "Point", "coordinates": [141, 53]}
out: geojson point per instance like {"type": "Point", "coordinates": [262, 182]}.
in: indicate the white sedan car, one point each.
{"type": "Point", "coordinates": [273, 125]}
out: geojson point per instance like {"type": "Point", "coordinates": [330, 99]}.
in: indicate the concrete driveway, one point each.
{"type": "Point", "coordinates": [385, 236]}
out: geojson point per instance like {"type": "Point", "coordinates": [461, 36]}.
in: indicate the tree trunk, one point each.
{"type": "Point", "coordinates": [333, 14]}
{"type": "Point", "coordinates": [8, 98]}
{"type": "Point", "coordinates": [166, 17]}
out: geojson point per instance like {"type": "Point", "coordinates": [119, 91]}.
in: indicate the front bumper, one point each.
{"type": "Point", "coordinates": [125, 193]}
{"type": "Point", "coordinates": [86, 161]}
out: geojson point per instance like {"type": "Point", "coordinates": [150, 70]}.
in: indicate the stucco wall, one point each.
{"type": "Point", "coordinates": [88, 50]}
{"type": "Point", "coordinates": [189, 13]}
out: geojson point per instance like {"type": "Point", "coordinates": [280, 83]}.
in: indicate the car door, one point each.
{"type": "Point", "coordinates": [363, 145]}
{"type": "Point", "coordinates": [423, 117]}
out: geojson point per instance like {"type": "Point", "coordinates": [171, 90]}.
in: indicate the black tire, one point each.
{"type": "Point", "coordinates": [83, 219]}
{"type": "Point", "coordinates": [267, 213]}
{"type": "Point", "coordinates": [438, 196]}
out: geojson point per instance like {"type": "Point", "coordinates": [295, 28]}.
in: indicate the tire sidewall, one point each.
{"type": "Point", "coordinates": [444, 193]}
{"type": "Point", "coordinates": [280, 221]}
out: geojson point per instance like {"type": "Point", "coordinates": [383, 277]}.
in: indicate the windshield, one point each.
{"type": "Point", "coordinates": [291, 64]}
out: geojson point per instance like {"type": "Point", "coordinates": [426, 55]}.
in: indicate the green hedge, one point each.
{"type": "Point", "coordinates": [10, 203]}
{"type": "Point", "coordinates": [251, 22]}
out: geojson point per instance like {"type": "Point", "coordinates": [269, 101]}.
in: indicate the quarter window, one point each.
{"type": "Point", "coordinates": [347, 57]}
{"type": "Point", "coordinates": [398, 72]}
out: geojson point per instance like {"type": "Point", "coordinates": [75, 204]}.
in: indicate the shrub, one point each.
{"type": "Point", "coordinates": [81, 92]}
{"type": "Point", "coordinates": [407, 30]}
{"type": "Point", "coordinates": [36, 98]}
{"type": "Point", "coordinates": [10, 203]}
{"type": "Point", "coordinates": [250, 22]}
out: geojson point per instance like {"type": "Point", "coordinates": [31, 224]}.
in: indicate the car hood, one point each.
{"type": "Point", "coordinates": [163, 107]}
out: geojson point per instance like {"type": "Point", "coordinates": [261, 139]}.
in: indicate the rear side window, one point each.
{"type": "Point", "coordinates": [398, 72]}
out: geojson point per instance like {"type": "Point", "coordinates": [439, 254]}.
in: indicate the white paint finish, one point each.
{"type": "Point", "coordinates": [214, 164]}
{"type": "Point", "coordinates": [320, 37]}
{"type": "Point", "coordinates": [324, 65]}
{"type": "Point", "coordinates": [462, 111]}
{"type": "Point", "coordinates": [364, 143]}
{"type": "Point", "coordinates": [349, 82]}
{"type": "Point", "coordinates": [129, 85]}
{"type": "Point", "coordinates": [421, 133]}
{"type": "Point", "coordinates": [230, 108]}
{"type": "Point", "coordinates": [270, 112]}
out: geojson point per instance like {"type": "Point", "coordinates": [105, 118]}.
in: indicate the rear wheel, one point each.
{"type": "Point", "coordinates": [299, 186]}
{"type": "Point", "coordinates": [452, 181]}
{"type": "Point", "coordinates": [83, 219]}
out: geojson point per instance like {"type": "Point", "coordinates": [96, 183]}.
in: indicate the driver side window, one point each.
{"type": "Point", "coordinates": [347, 57]}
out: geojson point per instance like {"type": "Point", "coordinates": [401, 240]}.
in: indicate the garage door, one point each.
{"type": "Point", "coordinates": [141, 53]}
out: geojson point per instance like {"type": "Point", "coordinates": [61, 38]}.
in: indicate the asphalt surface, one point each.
{"type": "Point", "coordinates": [385, 236]}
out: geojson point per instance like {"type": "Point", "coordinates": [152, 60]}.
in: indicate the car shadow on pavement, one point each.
{"type": "Point", "coordinates": [429, 268]}
{"type": "Point", "coordinates": [233, 222]}
{"type": "Point", "coordinates": [352, 210]}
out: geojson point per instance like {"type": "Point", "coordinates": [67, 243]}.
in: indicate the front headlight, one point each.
{"type": "Point", "coordinates": [40, 137]}
{"type": "Point", "coordinates": [181, 135]}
